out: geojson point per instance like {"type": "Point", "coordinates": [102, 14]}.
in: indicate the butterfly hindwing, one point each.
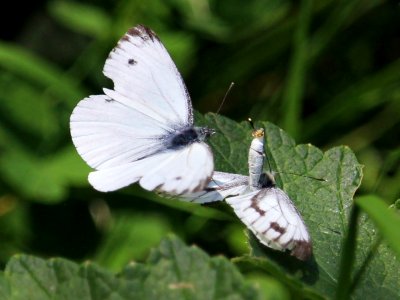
{"type": "Point", "coordinates": [222, 185]}
{"type": "Point", "coordinates": [182, 171]}
{"type": "Point", "coordinates": [272, 217]}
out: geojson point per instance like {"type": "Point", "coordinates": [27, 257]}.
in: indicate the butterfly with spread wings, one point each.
{"type": "Point", "coordinates": [265, 209]}
{"type": "Point", "coordinates": [142, 130]}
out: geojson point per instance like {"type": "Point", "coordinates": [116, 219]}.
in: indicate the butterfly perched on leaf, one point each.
{"type": "Point", "coordinates": [265, 209]}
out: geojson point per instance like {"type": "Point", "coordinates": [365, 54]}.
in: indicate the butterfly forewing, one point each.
{"type": "Point", "coordinates": [103, 131]}
{"type": "Point", "coordinates": [142, 69]}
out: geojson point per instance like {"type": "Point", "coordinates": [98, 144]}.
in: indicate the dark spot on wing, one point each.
{"type": "Point", "coordinates": [134, 31]}
{"type": "Point", "coordinates": [143, 32]}
{"type": "Point", "coordinates": [275, 226]}
{"type": "Point", "coordinates": [151, 34]}
{"type": "Point", "coordinates": [254, 204]}
{"type": "Point", "coordinates": [109, 100]}
{"type": "Point", "coordinates": [178, 178]}
{"type": "Point", "coordinates": [302, 250]}
{"type": "Point", "coordinates": [125, 38]}
{"type": "Point", "coordinates": [132, 61]}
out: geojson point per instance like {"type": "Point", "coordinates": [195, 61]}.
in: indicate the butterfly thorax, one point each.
{"type": "Point", "coordinates": [186, 136]}
{"type": "Point", "coordinates": [267, 180]}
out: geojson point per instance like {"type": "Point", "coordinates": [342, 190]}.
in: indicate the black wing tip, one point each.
{"type": "Point", "coordinates": [302, 250]}
{"type": "Point", "coordinates": [145, 33]}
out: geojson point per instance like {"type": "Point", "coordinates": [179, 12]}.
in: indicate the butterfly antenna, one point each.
{"type": "Point", "coordinates": [251, 123]}
{"type": "Point", "coordinates": [226, 94]}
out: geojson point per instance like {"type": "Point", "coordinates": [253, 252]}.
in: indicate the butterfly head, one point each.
{"type": "Point", "coordinates": [204, 132]}
{"type": "Point", "coordinates": [258, 133]}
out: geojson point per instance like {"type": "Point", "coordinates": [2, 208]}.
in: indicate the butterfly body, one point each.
{"type": "Point", "coordinates": [186, 136]}
{"type": "Point", "coordinates": [256, 158]}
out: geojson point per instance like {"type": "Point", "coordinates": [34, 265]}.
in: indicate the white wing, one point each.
{"type": "Point", "coordinates": [173, 172]}
{"type": "Point", "coordinates": [107, 134]}
{"type": "Point", "coordinates": [272, 217]}
{"type": "Point", "coordinates": [146, 79]}
{"type": "Point", "coordinates": [124, 134]}
{"type": "Point", "coordinates": [221, 186]}
{"type": "Point", "coordinates": [183, 171]}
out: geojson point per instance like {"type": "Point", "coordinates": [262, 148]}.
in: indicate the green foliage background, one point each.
{"type": "Point", "coordinates": [327, 72]}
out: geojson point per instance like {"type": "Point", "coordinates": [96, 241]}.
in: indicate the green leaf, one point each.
{"type": "Point", "coordinates": [173, 271]}
{"type": "Point", "coordinates": [366, 93]}
{"type": "Point", "coordinates": [387, 221]}
{"type": "Point", "coordinates": [134, 234]}
{"type": "Point", "coordinates": [323, 205]}
{"type": "Point", "coordinates": [296, 78]}
{"type": "Point", "coordinates": [38, 71]}
{"type": "Point", "coordinates": [15, 226]}
{"type": "Point", "coordinates": [28, 108]}
{"type": "Point", "coordinates": [177, 272]}
{"type": "Point", "coordinates": [377, 267]}
{"type": "Point", "coordinates": [83, 18]}
{"type": "Point", "coordinates": [44, 179]}
{"type": "Point", "coordinates": [270, 288]}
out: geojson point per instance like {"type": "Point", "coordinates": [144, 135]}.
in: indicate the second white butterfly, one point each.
{"type": "Point", "coordinates": [265, 209]}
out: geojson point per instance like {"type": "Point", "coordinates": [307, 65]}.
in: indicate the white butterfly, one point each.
{"type": "Point", "coordinates": [264, 208]}
{"type": "Point", "coordinates": [143, 129]}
